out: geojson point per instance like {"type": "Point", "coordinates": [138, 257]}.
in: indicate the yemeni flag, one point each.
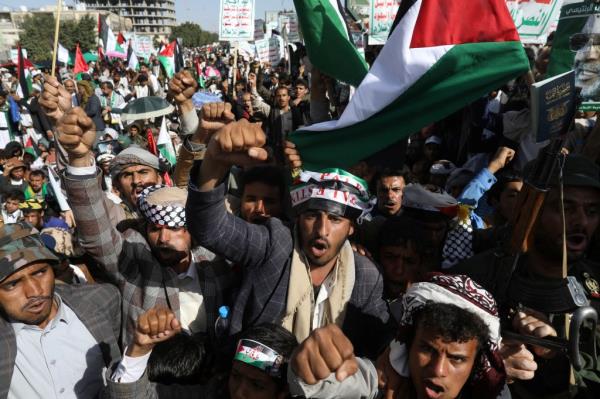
{"type": "Point", "coordinates": [440, 56]}
{"type": "Point", "coordinates": [80, 64]}
{"type": "Point", "coordinates": [25, 80]}
{"type": "Point", "coordinates": [167, 58]}
{"type": "Point", "coordinates": [328, 41]}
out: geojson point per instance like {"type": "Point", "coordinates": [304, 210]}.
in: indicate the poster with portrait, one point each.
{"type": "Point", "coordinates": [576, 46]}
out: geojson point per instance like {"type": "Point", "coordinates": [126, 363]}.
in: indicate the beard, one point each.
{"type": "Point", "coordinates": [590, 88]}
{"type": "Point", "coordinates": [169, 256]}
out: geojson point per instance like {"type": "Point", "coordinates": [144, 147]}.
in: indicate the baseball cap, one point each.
{"type": "Point", "coordinates": [21, 245]}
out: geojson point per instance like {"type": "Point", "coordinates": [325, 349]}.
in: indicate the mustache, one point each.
{"type": "Point", "coordinates": [35, 301]}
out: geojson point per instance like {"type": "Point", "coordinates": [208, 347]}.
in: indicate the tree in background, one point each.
{"type": "Point", "coordinates": [192, 35]}
{"type": "Point", "coordinates": [83, 31]}
{"type": "Point", "coordinates": [37, 35]}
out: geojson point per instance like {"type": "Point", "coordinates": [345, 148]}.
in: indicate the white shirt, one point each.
{"type": "Point", "coordinates": [63, 360]}
{"type": "Point", "coordinates": [192, 309]}
{"type": "Point", "coordinates": [322, 297]}
{"type": "Point", "coordinates": [10, 218]}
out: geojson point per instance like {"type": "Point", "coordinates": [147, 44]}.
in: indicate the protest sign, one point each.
{"type": "Point", "coordinates": [246, 50]}
{"type": "Point", "coordinates": [383, 13]}
{"type": "Point", "coordinates": [289, 23]}
{"type": "Point", "coordinates": [237, 20]}
{"type": "Point", "coordinates": [262, 49]}
{"type": "Point", "coordinates": [259, 29]}
{"type": "Point", "coordinates": [575, 46]}
{"type": "Point", "coordinates": [142, 46]}
{"type": "Point", "coordinates": [276, 49]}
{"type": "Point", "coordinates": [534, 19]}
{"type": "Point", "coordinates": [270, 27]}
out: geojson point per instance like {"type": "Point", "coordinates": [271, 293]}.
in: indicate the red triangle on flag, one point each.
{"type": "Point", "coordinates": [448, 22]}
{"type": "Point", "coordinates": [168, 50]}
{"type": "Point", "coordinates": [80, 64]}
{"type": "Point", "coordinates": [120, 38]}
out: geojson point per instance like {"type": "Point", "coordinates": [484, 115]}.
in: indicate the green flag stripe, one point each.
{"type": "Point", "coordinates": [327, 42]}
{"type": "Point", "coordinates": [463, 74]}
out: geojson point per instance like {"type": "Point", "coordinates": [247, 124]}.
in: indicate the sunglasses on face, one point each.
{"type": "Point", "coordinates": [580, 40]}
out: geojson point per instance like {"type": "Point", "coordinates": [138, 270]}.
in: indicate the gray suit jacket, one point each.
{"type": "Point", "coordinates": [128, 261]}
{"type": "Point", "coordinates": [98, 306]}
{"type": "Point", "coordinates": [265, 253]}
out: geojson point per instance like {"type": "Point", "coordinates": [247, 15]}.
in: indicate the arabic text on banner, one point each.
{"type": "Point", "coordinates": [381, 19]}
{"type": "Point", "coordinates": [535, 19]}
{"type": "Point", "coordinates": [237, 20]}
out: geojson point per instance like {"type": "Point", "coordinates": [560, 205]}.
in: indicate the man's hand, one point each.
{"type": "Point", "coordinates": [502, 157]}
{"type": "Point", "coordinates": [531, 322]}
{"type": "Point", "coordinates": [156, 325]}
{"type": "Point", "coordinates": [77, 133]}
{"type": "Point", "coordinates": [292, 155]}
{"type": "Point", "coordinates": [182, 87]}
{"type": "Point", "coordinates": [213, 117]}
{"type": "Point", "coordinates": [237, 143]}
{"type": "Point", "coordinates": [327, 350]}
{"type": "Point", "coordinates": [518, 361]}
{"type": "Point", "coordinates": [252, 80]}
{"type": "Point", "coordinates": [55, 99]}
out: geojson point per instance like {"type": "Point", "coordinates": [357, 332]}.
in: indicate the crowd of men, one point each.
{"type": "Point", "coordinates": [237, 273]}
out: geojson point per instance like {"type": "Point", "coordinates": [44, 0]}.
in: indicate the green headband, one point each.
{"type": "Point", "coordinates": [260, 356]}
{"type": "Point", "coordinates": [335, 189]}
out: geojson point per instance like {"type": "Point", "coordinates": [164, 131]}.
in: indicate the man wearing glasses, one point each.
{"type": "Point", "coordinates": [586, 46]}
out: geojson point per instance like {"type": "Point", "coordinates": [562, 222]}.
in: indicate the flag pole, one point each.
{"type": "Point", "coordinates": [56, 29]}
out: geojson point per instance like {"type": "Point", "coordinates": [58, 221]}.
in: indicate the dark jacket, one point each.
{"type": "Point", "coordinates": [492, 271]}
{"type": "Point", "coordinates": [93, 109]}
{"type": "Point", "coordinates": [265, 254]}
{"type": "Point", "coordinates": [98, 308]}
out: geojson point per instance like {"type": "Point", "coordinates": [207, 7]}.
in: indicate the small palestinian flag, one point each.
{"type": "Point", "coordinates": [167, 58]}
{"type": "Point", "coordinates": [440, 56]}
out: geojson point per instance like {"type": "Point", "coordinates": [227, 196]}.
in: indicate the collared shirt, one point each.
{"type": "Point", "coordinates": [11, 217]}
{"type": "Point", "coordinates": [322, 297]}
{"type": "Point", "coordinates": [192, 309]}
{"type": "Point", "coordinates": [63, 360]}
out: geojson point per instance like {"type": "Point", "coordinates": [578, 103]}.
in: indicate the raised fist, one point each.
{"type": "Point", "coordinates": [182, 87]}
{"type": "Point", "coordinates": [502, 157]}
{"type": "Point", "coordinates": [215, 116]}
{"type": "Point", "coordinates": [55, 99]}
{"type": "Point", "coordinates": [238, 143]}
{"type": "Point", "coordinates": [155, 325]}
{"type": "Point", "coordinates": [77, 133]}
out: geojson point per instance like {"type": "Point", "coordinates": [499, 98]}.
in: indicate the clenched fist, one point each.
{"type": "Point", "coordinates": [237, 143]}
{"type": "Point", "coordinates": [155, 326]}
{"type": "Point", "coordinates": [77, 133]}
{"type": "Point", "coordinates": [182, 87]}
{"type": "Point", "coordinates": [215, 116]}
{"type": "Point", "coordinates": [55, 99]}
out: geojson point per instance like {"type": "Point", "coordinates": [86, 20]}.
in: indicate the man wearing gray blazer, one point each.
{"type": "Point", "coordinates": [56, 341]}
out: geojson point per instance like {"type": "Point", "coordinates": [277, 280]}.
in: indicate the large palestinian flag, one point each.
{"type": "Point", "coordinates": [440, 56]}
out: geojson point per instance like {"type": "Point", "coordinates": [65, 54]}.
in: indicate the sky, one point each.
{"type": "Point", "coordinates": [203, 12]}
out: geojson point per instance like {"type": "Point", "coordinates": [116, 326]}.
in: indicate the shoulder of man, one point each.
{"type": "Point", "coordinates": [99, 295]}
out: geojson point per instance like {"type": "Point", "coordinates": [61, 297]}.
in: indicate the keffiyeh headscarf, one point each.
{"type": "Point", "coordinates": [163, 205]}
{"type": "Point", "coordinates": [332, 190]}
{"type": "Point", "coordinates": [488, 376]}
